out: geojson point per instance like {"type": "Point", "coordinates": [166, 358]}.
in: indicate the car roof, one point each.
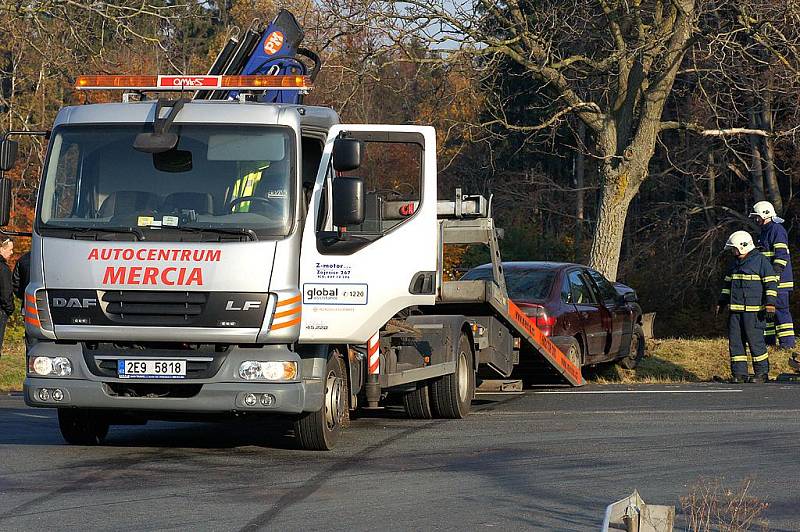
{"type": "Point", "coordinates": [533, 265]}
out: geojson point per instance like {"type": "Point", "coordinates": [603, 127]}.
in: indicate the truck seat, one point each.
{"type": "Point", "coordinates": [127, 202]}
{"type": "Point", "coordinates": [199, 202]}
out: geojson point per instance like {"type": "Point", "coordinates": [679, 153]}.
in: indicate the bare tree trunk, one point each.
{"type": "Point", "coordinates": [712, 189]}
{"type": "Point", "coordinates": [712, 179]}
{"type": "Point", "coordinates": [580, 173]}
{"type": "Point", "coordinates": [768, 148]}
{"type": "Point", "coordinates": [756, 169]}
{"type": "Point", "coordinates": [617, 194]}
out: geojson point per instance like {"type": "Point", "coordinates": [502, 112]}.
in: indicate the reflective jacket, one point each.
{"type": "Point", "coordinates": [774, 243]}
{"type": "Point", "coordinates": [750, 284]}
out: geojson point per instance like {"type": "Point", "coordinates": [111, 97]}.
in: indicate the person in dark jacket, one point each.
{"type": "Point", "coordinates": [6, 289]}
{"type": "Point", "coordinates": [749, 292]}
{"type": "Point", "coordinates": [20, 277]}
{"type": "Point", "coordinates": [774, 244]}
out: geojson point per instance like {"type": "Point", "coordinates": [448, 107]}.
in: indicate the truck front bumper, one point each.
{"type": "Point", "coordinates": [215, 397]}
{"type": "Point", "coordinates": [221, 393]}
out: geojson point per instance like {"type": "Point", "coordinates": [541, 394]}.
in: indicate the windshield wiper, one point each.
{"type": "Point", "coordinates": [249, 233]}
{"type": "Point", "coordinates": [112, 230]}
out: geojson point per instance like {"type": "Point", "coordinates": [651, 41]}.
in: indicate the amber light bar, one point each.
{"type": "Point", "coordinates": [192, 83]}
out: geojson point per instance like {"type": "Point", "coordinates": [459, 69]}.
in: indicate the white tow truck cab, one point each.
{"type": "Point", "coordinates": [194, 257]}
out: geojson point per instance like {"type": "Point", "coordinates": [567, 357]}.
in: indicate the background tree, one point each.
{"type": "Point", "coordinates": [611, 63]}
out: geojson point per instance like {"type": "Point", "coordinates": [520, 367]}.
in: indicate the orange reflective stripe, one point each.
{"type": "Point", "coordinates": [30, 299]}
{"type": "Point", "coordinates": [32, 311]}
{"type": "Point", "coordinates": [288, 301]}
{"type": "Point", "coordinates": [556, 356]}
{"type": "Point", "coordinates": [32, 321]}
{"type": "Point", "coordinates": [287, 324]}
{"type": "Point", "coordinates": [289, 312]}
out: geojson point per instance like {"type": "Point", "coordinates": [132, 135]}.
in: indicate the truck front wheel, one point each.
{"type": "Point", "coordinates": [318, 431]}
{"type": "Point", "coordinates": [82, 427]}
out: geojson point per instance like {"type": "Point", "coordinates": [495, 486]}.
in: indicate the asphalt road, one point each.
{"type": "Point", "coordinates": [543, 460]}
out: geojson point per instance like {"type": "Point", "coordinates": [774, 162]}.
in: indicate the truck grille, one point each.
{"type": "Point", "coordinates": [203, 361]}
{"type": "Point", "coordinates": [195, 369]}
{"type": "Point", "coordinates": [153, 308]}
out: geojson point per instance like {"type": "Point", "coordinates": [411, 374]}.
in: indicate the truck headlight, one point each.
{"type": "Point", "coordinates": [50, 366]}
{"type": "Point", "coordinates": [252, 370]}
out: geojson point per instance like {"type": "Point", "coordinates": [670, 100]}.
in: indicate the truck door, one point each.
{"type": "Point", "coordinates": [354, 279]}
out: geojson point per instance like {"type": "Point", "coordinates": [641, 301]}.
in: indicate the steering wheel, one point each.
{"type": "Point", "coordinates": [266, 201]}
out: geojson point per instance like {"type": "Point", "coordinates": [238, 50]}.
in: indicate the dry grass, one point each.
{"type": "Point", "coordinates": [710, 507]}
{"type": "Point", "coordinates": [684, 360]}
{"type": "Point", "coordinates": [12, 360]}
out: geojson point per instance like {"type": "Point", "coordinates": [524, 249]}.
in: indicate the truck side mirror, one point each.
{"type": "Point", "coordinates": [8, 154]}
{"type": "Point", "coordinates": [5, 201]}
{"type": "Point", "coordinates": [349, 203]}
{"type": "Point", "coordinates": [347, 154]}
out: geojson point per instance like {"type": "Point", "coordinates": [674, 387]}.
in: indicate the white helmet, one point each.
{"type": "Point", "coordinates": [764, 210]}
{"type": "Point", "coordinates": [742, 241]}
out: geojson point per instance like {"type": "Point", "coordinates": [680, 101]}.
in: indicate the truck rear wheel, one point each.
{"type": "Point", "coordinates": [451, 395]}
{"type": "Point", "coordinates": [418, 402]}
{"type": "Point", "coordinates": [318, 431]}
{"type": "Point", "coordinates": [82, 427]}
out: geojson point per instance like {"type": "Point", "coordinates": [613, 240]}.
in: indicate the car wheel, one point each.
{"type": "Point", "coordinates": [575, 353]}
{"type": "Point", "coordinates": [637, 350]}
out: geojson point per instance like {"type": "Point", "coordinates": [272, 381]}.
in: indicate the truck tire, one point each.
{"type": "Point", "coordinates": [637, 351]}
{"type": "Point", "coordinates": [451, 395]}
{"type": "Point", "coordinates": [318, 431]}
{"type": "Point", "coordinates": [418, 402]}
{"type": "Point", "coordinates": [82, 427]}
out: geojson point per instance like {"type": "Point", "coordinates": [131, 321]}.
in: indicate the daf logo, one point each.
{"type": "Point", "coordinates": [74, 302]}
{"type": "Point", "coordinates": [247, 305]}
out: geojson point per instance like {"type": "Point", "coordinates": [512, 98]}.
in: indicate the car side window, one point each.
{"type": "Point", "coordinates": [581, 294]}
{"type": "Point", "coordinates": [566, 291]}
{"type": "Point", "coordinates": [608, 293]}
{"type": "Point", "coordinates": [592, 287]}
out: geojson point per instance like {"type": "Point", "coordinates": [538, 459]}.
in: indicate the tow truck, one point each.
{"type": "Point", "coordinates": [212, 256]}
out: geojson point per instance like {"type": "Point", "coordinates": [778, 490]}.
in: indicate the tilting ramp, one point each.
{"type": "Point", "coordinates": [467, 220]}
{"type": "Point", "coordinates": [532, 341]}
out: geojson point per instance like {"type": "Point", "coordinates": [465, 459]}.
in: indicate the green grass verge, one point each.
{"type": "Point", "coordinates": [12, 360]}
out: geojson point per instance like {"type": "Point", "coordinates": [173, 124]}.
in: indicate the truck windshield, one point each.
{"type": "Point", "coordinates": [218, 180]}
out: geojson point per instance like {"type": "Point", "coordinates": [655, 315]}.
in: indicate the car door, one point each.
{"type": "Point", "coordinates": [585, 302]}
{"type": "Point", "coordinates": [618, 311]}
{"type": "Point", "coordinates": [354, 279]}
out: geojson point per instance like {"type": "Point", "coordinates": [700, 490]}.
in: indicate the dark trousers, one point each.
{"type": "Point", "coordinates": [781, 331]}
{"type": "Point", "coordinates": [747, 329]}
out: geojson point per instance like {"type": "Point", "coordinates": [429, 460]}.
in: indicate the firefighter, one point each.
{"type": "Point", "coordinates": [774, 244]}
{"type": "Point", "coordinates": [749, 292]}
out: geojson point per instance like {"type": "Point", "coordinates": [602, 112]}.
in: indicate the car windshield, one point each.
{"type": "Point", "coordinates": [522, 284]}
{"type": "Point", "coordinates": [219, 178]}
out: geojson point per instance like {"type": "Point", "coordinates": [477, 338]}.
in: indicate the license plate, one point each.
{"type": "Point", "coordinates": [151, 369]}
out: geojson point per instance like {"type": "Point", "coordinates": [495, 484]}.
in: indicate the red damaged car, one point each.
{"type": "Point", "coordinates": [587, 316]}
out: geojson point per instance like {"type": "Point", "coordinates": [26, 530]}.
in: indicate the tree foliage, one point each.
{"type": "Point", "coordinates": [632, 134]}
